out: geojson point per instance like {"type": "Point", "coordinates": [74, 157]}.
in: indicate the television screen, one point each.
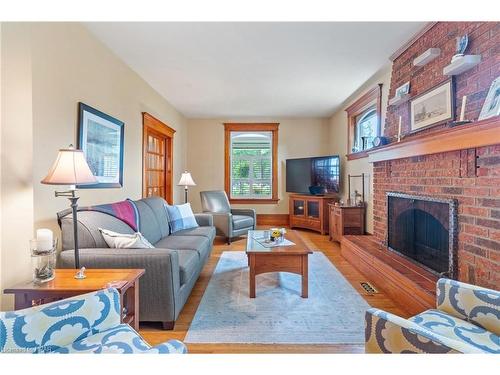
{"type": "Point", "coordinates": [322, 172]}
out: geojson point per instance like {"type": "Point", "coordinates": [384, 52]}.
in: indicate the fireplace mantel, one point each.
{"type": "Point", "coordinates": [476, 134]}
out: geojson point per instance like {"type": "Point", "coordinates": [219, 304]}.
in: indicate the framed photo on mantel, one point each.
{"type": "Point", "coordinates": [100, 137]}
{"type": "Point", "coordinates": [432, 107]}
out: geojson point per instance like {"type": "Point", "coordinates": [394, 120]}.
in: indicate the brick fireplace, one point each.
{"type": "Point", "coordinates": [471, 176]}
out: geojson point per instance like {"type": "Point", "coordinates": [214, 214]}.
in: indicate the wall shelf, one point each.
{"type": "Point", "coordinates": [476, 134]}
{"type": "Point", "coordinates": [462, 65]}
{"type": "Point", "coordinates": [427, 57]}
{"type": "Point", "coordinates": [397, 100]}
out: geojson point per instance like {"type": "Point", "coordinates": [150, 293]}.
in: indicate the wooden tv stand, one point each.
{"type": "Point", "coordinates": [310, 211]}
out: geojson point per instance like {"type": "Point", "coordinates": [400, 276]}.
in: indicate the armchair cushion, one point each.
{"type": "Point", "coordinates": [241, 222]}
{"type": "Point", "coordinates": [215, 201]}
{"type": "Point", "coordinates": [449, 326]}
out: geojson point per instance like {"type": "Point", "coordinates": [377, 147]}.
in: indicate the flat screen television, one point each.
{"type": "Point", "coordinates": [322, 172]}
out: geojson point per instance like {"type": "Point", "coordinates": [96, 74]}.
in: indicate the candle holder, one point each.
{"type": "Point", "coordinates": [43, 260]}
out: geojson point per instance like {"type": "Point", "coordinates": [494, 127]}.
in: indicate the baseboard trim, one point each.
{"type": "Point", "coordinates": [279, 220]}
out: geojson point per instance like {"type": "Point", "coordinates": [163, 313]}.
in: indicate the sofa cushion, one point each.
{"type": "Point", "coordinates": [241, 222]}
{"type": "Point", "coordinates": [208, 232]}
{"type": "Point", "coordinates": [200, 244]}
{"type": "Point", "coordinates": [149, 223]}
{"type": "Point", "coordinates": [189, 262]}
{"type": "Point", "coordinates": [120, 339]}
{"type": "Point", "coordinates": [157, 205]}
{"type": "Point", "coordinates": [454, 328]}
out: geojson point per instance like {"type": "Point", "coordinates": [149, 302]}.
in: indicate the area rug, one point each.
{"type": "Point", "coordinates": [333, 313]}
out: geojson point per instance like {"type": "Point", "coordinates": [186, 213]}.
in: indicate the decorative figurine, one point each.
{"type": "Point", "coordinates": [462, 44]}
{"type": "Point", "coordinates": [81, 274]}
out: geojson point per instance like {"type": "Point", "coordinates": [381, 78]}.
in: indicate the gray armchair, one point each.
{"type": "Point", "coordinates": [229, 222]}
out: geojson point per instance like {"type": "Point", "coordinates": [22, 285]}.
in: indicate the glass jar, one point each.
{"type": "Point", "coordinates": [43, 261]}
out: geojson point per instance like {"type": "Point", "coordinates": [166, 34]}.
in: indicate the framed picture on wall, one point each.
{"type": "Point", "coordinates": [100, 137]}
{"type": "Point", "coordinates": [491, 106]}
{"type": "Point", "coordinates": [432, 107]}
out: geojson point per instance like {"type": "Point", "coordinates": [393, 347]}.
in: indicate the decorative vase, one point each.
{"type": "Point", "coordinates": [43, 261]}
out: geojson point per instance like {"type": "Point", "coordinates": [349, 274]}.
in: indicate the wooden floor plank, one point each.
{"type": "Point", "coordinates": [155, 335]}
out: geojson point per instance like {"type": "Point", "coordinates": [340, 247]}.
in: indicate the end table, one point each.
{"type": "Point", "coordinates": [64, 285]}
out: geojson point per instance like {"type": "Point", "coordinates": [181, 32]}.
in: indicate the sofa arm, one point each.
{"type": "Point", "coordinates": [158, 286]}
{"type": "Point", "coordinates": [388, 333]}
{"type": "Point", "coordinates": [48, 327]}
{"type": "Point", "coordinates": [169, 347]}
{"type": "Point", "coordinates": [478, 305]}
{"type": "Point", "coordinates": [245, 212]}
{"type": "Point", "coordinates": [204, 220]}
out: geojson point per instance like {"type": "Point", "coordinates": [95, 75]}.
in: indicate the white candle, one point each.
{"type": "Point", "coordinates": [399, 129]}
{"type": "Point", "coordinates": [462, 111]}
{"type": "Point", "coordinates": [44, 238]}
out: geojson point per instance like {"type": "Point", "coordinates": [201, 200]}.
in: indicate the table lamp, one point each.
{"type": "Point", "coordinates": [186, 180]}
{"type": "Point", "coordinates": [71, 168]}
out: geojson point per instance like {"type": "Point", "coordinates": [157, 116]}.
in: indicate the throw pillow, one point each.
{"type": "Point", "coordinates": [181, 217]}
{"type": "Point", "coordinates": [125, 241]}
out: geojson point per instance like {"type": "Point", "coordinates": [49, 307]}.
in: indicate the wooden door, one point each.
{"type": "Point", "coordinates": [157, 152]}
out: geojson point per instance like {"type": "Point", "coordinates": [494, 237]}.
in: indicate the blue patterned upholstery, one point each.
{"type": "Point", "coordinates": [442, 324]}
{"type": "Point", "coordinates": [89, 323]}
{"type": "Point", "coordinates": [467, 320]}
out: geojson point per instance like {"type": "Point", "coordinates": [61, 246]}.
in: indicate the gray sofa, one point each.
{"type": "Point", "coordinates": [172, 267]}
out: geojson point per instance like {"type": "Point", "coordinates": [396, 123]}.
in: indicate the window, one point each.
{"type": "Point", "coordinates": [365, 129]}
{"type": "Point", "coordinates": [251, 165]}
{"type": "Point", "coordinates": [363, 123]}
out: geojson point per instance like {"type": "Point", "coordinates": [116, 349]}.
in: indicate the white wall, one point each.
{"type": "Point", "coordinates": [16, 156]}
{"type": "Point", "coordinates": [47, 69]}
{"type": "Point", "coordinates": [338, 141]}
{"type": "Point", "coordinates": [297, 138]}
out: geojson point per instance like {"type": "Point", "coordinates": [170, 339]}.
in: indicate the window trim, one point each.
{"type": "Point", "coordinates": [374, 96]}
{"type": "Point", "coordinates": [245, 127]}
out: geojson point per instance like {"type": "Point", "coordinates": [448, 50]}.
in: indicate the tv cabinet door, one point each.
{"type": "Point", "coordinates": [299, 207]}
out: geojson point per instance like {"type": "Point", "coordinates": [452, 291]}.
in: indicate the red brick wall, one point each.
{"type": "Point", "coordinates": [470, 176]}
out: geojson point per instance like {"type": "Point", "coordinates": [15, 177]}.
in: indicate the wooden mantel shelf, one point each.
{"type": "Point", "coordinates": [476, 134]}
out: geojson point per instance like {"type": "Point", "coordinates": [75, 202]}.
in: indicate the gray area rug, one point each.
{"type": "Point", "coordinates": [333, 313]}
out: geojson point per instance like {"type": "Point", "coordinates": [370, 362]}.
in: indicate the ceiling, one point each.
{"type": "Point", "coordinates": [278, 69]}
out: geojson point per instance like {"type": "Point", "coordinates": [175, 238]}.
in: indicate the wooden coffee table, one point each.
{"type": "Point", "coordinates": [263, 259]}
{"type": "Point", "coordinates": [64, 285]}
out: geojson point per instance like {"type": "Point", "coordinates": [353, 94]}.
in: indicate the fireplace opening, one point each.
{"type": "Point", "coordinates": [424, 230]}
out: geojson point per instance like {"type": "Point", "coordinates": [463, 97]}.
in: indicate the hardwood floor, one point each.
{"type": "Point", "coordinates": [154, 334]}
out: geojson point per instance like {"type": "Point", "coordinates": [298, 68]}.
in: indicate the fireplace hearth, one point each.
{"type": "Point", "coordinates": [424, 230]}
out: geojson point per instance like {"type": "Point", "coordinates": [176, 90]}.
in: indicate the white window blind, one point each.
{"type": "Point", "coordinates": [251, 165]}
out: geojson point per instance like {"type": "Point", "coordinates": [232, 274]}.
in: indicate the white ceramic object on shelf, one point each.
{"type": "Point", "coordinates": [427, 57]}
{"type": "Point", "coordinates": [461, 64]}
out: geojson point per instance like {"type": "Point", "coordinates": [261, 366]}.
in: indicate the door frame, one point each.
{"type": "Point", "coordinates": [150, 122]}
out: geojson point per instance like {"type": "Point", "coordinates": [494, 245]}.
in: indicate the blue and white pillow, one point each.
{"type": "Point", "coordinates": [181, 217]}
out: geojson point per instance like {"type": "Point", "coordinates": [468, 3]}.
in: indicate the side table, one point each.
{"type": "Point", "coordinates": [64, 285]}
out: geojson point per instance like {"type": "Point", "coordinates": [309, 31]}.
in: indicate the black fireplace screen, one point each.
{"type": "Point", "coordinates": [424, 230]}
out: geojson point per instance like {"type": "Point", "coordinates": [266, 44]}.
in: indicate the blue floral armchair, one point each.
{"type": "Point", "coordinates": [466, 320]}
{"type": "Point", "coordinates": [89, 323]}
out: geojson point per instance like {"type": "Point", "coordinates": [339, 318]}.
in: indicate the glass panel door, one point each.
{"type": "Point", "coordinates": [313, 209]}
{"type": "Point", "coordinates": [298, 208]}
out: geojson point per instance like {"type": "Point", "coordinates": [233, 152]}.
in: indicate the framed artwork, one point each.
{"type": "Point", "coordinates": [100, 137]}
{"type": "Point", "coordinates": [432, 107]}
{"type": "Point", "coordinates": [403, 90]}
{"type": "Point", "coordinates": [491, 106]}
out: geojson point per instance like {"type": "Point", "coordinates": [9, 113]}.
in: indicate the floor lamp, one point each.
{"type": "Point", "coordinates": [71, 168]}
{"type": "Point", "coordinates": [186, 180]}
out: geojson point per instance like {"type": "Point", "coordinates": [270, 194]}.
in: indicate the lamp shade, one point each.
{"type": "Point", "coordinates": [70, 168]}
{"type": "Point", "coordinates": [186, 180]}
